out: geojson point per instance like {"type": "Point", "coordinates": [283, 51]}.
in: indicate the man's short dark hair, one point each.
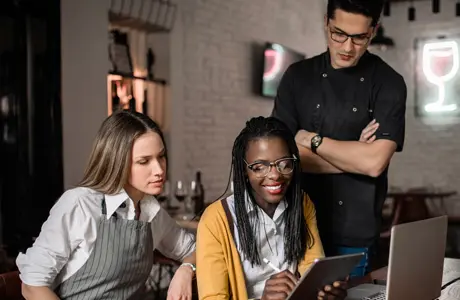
{"type": "Point", "coordinates": [369, 8]}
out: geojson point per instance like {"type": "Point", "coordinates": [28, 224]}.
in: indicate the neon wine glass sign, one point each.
{"type": "Point", "coordinates": [441, 50]}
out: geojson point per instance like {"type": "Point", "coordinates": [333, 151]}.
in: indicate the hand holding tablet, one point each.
{"type": "Point", "coordinates": [326, 278]}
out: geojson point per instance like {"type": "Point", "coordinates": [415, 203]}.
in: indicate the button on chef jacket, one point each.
{"type": "Point", "coordinates": [339, 103]}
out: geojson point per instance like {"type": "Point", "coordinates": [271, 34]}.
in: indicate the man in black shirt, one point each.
{"type": "Point", "coordinates": [347, 109]}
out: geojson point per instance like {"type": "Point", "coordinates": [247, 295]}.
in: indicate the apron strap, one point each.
{"type": "Point", "coordinates": [104, 209]}
{"type": "Point", "coordinates": [103, 206]}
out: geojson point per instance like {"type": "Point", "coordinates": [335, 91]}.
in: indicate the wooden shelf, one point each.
{"type": "Point", "coordinates": [155, 80]}
{"type": "Point", "coordinates": [153, 93]}
{"type": "Point", "coordinates": [121, 20]}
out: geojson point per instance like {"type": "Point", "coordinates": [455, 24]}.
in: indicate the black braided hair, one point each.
{"type": "Point", "coordinates": [297, 236]}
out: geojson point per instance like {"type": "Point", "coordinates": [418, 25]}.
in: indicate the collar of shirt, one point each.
{"type": "Point", "coordinates": [148, 203]}
{"type": "Point", "coordinates": [359, 69]}
{"type": "Point", "coordinates": [252, 209]}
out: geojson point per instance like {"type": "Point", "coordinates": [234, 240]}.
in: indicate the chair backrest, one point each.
{"type": "Point", "coordinates": [10, 286]}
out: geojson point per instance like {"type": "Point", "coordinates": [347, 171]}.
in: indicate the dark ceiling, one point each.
{"type": "Point", "coordinates": [405, 0]}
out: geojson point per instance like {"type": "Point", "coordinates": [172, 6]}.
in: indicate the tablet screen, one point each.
{"type": "Point", "coordinates": [324, 271]}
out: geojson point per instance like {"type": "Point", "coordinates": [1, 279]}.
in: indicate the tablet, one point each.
{"type": "Point", "coordinates": [324, 271]}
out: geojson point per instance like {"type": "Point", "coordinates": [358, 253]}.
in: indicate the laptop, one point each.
{"type": "Point", "coordinates": [415, 266]}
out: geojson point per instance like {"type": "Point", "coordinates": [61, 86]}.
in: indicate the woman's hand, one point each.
{"type": "Point", "coordinates": [37, 292]}
{"type": "Point", "coordinates": [180, 287]}
{"type": "Point", "coordinates": [336, 291]}
{"type": "Point", "coordinates": [279, 286]}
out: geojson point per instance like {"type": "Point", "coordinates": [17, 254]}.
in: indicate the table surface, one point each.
{"type": "Point", "coordinates": [451, 271]}
{"type": "Point", "coordinates": [426, 194]}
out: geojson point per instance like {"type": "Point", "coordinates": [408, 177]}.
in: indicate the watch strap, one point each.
{"type": "Point", "coordinates": [316, 142]}
{"type": "Point", "coordinates": [189, 265]}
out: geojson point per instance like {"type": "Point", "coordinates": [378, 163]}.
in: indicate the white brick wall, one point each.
{"type": "Point", "coordinates": [211, 72]}
{"type": "Point", "coordinates": [431, 154]}
{"type": "Point", "coordinates": [217, 97]}
{"type": "Point", "coordinates": [216, 38]}
{"type": "Point", "coordinates": [210, 68]}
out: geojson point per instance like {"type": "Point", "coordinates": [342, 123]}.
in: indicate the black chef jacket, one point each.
{"type": "Point", "coordinates": [339, 103]}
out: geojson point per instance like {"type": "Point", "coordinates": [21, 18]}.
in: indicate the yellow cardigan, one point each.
{"type": "Point", "coordinates": [219, 271]}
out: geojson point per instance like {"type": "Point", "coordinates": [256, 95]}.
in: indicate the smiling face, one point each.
{"type": "Point", "coordinates": [148, 166]}
{"type": "Point", "coordinates": [344, 53]}
{"type": "Point", "coordinates": [268, 190]}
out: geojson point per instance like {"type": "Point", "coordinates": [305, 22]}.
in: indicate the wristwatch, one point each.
{"type": "Point", "coordinates": [192, 266]}
{"type": "Point", "coordinates": [315, 142]}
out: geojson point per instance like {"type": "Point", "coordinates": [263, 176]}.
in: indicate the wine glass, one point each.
{"type": "Point", "coordinates": [440, 64]}
{"type": "Point", "coordinates": [181, 195]}
{"type": "Point", "coordinates": [194, 195]}
{"type": "Point", "coordinates": [164, 195]}
{"type": "Point", "coordinates": [193, 189]}
{"type": "Point", "coordinates": [180, 192]}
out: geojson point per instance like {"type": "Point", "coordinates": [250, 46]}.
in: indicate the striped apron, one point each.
{"type": "Point", "coordinates": [119, 264]}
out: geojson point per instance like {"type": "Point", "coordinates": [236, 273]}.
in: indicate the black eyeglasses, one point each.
{"type": "Point", "coordinates": [342, 37]}
{"type": "Point", "coordinates": [261, 168]}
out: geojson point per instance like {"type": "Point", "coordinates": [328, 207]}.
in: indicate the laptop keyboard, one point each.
{"type": "Point", "coordinates": [379, 296]}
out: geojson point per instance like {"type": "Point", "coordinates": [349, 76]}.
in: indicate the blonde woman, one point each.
{"type": "Point", "coordinates": [99, 238]}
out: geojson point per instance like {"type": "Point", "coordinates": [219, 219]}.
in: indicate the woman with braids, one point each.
{"type": "Point", "coordinates": [268, 224]}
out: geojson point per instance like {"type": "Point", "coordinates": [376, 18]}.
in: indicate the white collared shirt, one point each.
{"type": "Point", "coordinates": [69, 234]}
{"type": "Point", "coordinates": [270, 244]}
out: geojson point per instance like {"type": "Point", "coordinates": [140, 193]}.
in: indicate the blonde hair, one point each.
{"type": "Point", "coordinates": [110, 160]}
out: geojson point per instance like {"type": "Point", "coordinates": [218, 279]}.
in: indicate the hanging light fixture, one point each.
{"type": "Point", "coordinates": [435, 6]}
{"type": "Point", "coordinates": [411, 12]}
{"type": "Point", "coordinates": [381, 41]}
{"type": "Point", "coordinates": [386, 8]}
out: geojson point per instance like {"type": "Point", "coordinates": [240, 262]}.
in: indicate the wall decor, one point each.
{"type": "Point", "coordinates": [437, 77]}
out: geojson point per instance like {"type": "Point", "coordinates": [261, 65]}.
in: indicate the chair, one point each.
{"type": "Point", "coordinates": [10, 286]}
{"type": "Point", "coordinates": [407, 207]}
